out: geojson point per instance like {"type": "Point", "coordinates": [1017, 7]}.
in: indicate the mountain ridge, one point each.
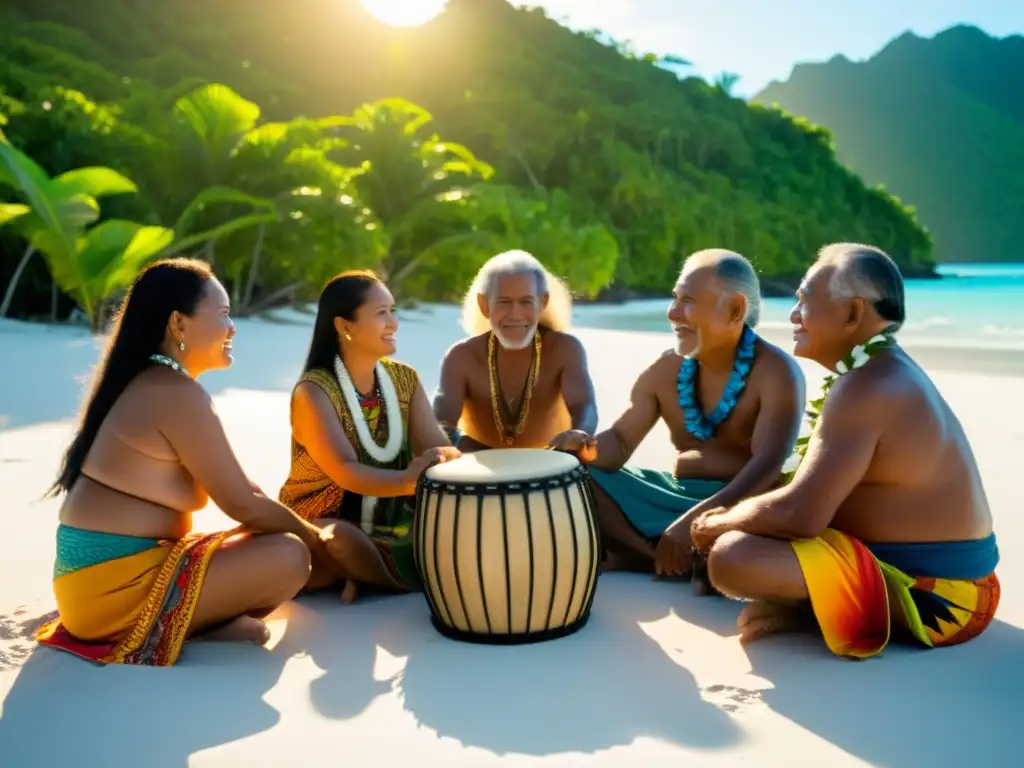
{"type": "Point", "coordinates": [939, 122]}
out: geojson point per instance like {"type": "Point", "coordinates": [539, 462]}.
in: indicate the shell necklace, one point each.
{"type": "Point", "coordinates": [382, 455]}
{"type": "Point", "coordinates": [170, 363]}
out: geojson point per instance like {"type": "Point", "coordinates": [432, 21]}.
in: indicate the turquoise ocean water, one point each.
{"type": "Point", "coordinates": [973, 305]}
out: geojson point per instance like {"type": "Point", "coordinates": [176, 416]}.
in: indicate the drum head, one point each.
{"type": "Point", "coordinates": [500, 465]}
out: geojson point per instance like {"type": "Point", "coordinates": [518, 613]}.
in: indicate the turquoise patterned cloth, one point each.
{"type": "Point", "coordinates": [651, 500]}
{"type": "Point", "coordinates": [78, 548]}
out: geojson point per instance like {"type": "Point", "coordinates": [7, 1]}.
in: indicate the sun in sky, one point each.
{"type": "Point", "coordinates": [405, 13]}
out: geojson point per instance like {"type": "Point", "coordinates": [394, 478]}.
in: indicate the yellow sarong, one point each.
{"type": "Point", "coordinates": [124, 599]}
{"type": "Point", "coordinates": [856, 596]}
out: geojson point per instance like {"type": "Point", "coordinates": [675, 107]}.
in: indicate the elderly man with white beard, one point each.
{"type": "Point", "coordinates": [520, 378]}
{"type": "Point", "coordinates": [732, 403]}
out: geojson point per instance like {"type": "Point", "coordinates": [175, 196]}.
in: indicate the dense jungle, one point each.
{"type": "Point", "coordinates": [286, 142]}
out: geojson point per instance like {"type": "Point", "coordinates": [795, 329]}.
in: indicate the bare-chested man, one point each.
{"type": "Point", "coordinates": [732, 403]}
{"type": "Point", "coordinates": [886, 521]}
{"type": "Point", "coordinates": [519, 379]}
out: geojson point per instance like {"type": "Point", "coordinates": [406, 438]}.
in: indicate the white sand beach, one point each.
{"type": "Point", "coordinates": [657, 677]}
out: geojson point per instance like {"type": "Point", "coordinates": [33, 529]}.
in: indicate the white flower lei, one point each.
{"type": "Point", "coordinates": [859, 357]}
{"type": "Point", "coordinates": [390, 450]}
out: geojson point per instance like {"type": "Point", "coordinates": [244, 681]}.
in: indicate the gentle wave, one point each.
{"type": "Point", "coordinates": [981, 270]}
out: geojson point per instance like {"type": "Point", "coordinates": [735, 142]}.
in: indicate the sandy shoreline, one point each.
{"type": "Point", "coordinates": [659, 675]}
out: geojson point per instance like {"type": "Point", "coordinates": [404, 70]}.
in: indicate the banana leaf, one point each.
{"type": "Point", "coordinates": [94, 181]}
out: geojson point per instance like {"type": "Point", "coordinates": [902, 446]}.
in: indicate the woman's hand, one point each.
{"type": "Point", "coordinates": [318, 541]}
{"type": "Point", "coordinates": [428, 458]}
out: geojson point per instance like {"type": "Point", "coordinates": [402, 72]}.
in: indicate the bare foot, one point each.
{"type": "Point", "coordinates": [613, 562]}
{"type": "Point", "coordinates": [701, 587]}
{"type": "Point", "coordinates": [632, 562]}
{"type": "Point", "coordinates": [761, 618]}
{"type": "Point", "coordinates": [244, 629]}
{"type": "Point", "coordinates": [350, 592]}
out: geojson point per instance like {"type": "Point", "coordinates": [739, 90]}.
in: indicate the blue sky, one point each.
{"type": "Point", "coordinates": [761, 40]}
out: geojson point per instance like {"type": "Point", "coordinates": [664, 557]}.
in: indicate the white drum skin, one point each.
{"type": "Point", "coordinates": [507, 545]}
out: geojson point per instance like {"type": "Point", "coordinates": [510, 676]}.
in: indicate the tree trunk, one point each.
{"type": "Point", "coordinates": [9, 294]}
{"type": "Point", "coordinates": [254, 266]}
{"type": "Point", "coordinates": [96, 321]}
{"type": "Point", "coordinates": [54, 296]}
{"type": "Point", "coordinates": [280, 293]}
{"type": "Point", "coordinates": [534, 181]}
{"type": "Point", "coordinates": [210, 254]}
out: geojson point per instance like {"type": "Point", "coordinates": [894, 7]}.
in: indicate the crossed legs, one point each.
{"type": "Point", "coordinates": [356, 560]}
{"type": "Point", "coordinates": [627, 549]}
{"type": "Point", "coordinates": [767, 573]}
{"type": "Point", "coordinates": [248, 577]}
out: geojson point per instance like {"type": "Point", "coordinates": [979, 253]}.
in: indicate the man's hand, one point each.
{"type": "Point", "coordinates": [674, 555]}
{"type": "Point", "coordinates": [707, 527]}
{"type": "Point", "coordinates": [577, 442]}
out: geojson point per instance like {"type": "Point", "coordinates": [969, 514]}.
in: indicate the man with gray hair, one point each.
{"type": "Point", "coordinates": [885, 524]}
{"type": "Point", "coordinates": [520, 377]}
{"type": "Point", "coordinates": [732, 403]}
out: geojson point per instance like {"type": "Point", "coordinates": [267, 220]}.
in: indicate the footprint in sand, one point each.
{"type": "Point", "coordinates": [17, 632]}
{"type": "Point", "coordinates": [730, 699]}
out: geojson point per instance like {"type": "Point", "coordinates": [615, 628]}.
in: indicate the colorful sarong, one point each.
{"type": "Point", "coordinates": [313, 494]}
{"type": "Point", "coordinates": [391, 534]}
{"type": "Point", "coordinates": [856, 596]}
{"type": "Point", "coordinates": [126, 599]}
{"type": "Point", "coordinates": [651, 500]}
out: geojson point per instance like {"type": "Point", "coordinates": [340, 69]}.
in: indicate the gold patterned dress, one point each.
{"type": "Point", "coordinates": [313, 494]}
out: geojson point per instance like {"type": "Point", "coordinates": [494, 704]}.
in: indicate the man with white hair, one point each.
{"type": "Point", "coordinates": [732, 403]}
{"type": "Point", "coordinates": [519, 378]}
{"type": "Point", "coordinates": [886, 521]}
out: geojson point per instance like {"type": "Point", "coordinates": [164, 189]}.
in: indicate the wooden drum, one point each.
{"type": "Point", "coordinates": [507, 545]}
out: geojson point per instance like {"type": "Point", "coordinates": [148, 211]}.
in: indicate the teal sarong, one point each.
{"type": "Point", "coordinates": [651, 500]}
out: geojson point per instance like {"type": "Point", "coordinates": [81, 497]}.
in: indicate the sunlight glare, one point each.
{"type": "Point", "coordinates": [405, 13]}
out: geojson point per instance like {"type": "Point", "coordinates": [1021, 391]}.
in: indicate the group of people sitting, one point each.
{"type": "Point", "coordinates": [882, 528]}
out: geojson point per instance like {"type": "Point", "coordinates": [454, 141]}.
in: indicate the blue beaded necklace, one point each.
{"type": "Point", "coordinates": [697, 424]}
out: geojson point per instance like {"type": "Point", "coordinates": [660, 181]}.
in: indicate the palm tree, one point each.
{"type": "Point", "coordinates": [91, 263]}
{"type": "Point", "coordinates": [407, 181]}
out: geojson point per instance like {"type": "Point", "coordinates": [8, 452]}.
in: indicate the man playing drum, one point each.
{"type": "Point", "coordinates": [520, 378]}
{"type": "Point", "coordinates": [733, 405]}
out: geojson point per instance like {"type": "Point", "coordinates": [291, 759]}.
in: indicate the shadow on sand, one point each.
{"type": "Point", "coordinates": [135, 716]}
{"type": "Point", "coordinates": [601, 688]}
{"type": "Point", "coordinates": [907, 708]}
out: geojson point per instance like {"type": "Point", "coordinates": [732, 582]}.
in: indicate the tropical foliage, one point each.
{"type": "Point", "coordinates": [284, 154]}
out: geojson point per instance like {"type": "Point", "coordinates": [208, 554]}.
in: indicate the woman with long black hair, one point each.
{"type": "Point", "coordinates": [363, 431]}
{"type": "Point", "coordinates": [132, 581]}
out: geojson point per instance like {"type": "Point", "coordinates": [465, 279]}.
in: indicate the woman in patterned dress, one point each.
{"type": "Point", "coordinates": [362, 433]}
